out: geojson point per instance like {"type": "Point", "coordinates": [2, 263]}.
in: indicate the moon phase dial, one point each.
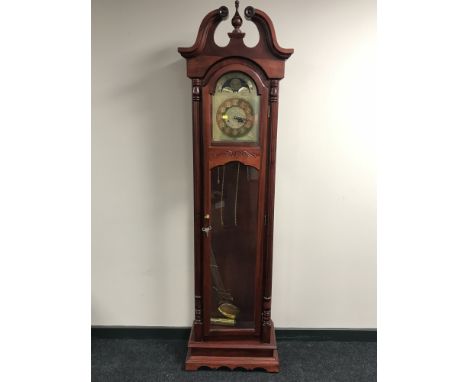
{"type": "Point", "coordinates": [235, 117]}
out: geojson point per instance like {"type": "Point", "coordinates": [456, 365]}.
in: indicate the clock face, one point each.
{"type": "Point", "coordinates": [235, 105]}
{"type": "Point", "coordinates": [235, 117]}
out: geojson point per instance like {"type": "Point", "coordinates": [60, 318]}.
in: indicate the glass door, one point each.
{"type": "Point", "coordinates": [233, 246]}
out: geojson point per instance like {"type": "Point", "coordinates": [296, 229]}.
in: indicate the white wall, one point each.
{"type": "Point", "coordinates": [324, 272]}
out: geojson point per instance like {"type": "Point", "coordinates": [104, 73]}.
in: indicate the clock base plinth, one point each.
{"type": "Point", "coordinates": [246, 354]}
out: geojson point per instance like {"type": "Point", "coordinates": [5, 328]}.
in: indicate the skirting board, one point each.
{"type": "Point", "coordinates": [142, 332]}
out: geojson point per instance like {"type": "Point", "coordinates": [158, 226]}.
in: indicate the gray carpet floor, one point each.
{"type": "Point", "coordinates": [116, 360]}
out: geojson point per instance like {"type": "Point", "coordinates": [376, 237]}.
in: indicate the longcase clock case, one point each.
{"type": "Point", "coordinates": [235, 112]}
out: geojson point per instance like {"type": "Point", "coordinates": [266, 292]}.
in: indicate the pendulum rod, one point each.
{"type": "Point", "coordinates": [225, 300]}
{"type": "Point", "coordinates": [222, 196]}
{"type": "Point", "coordinates": [237, 192]}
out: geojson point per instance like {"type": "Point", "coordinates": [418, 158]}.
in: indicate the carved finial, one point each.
{"type": "Point", "coordinates": [249, 12]}
{"type": "Point", "coordinates": [223, 12]}
{"type": "Point", "coordinates": [236, 19]}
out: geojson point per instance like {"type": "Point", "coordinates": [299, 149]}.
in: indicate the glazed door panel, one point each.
{"type": "Point", "coordinates": [232, 249]}
{"type": "Point", "coordinates": [233, 245]}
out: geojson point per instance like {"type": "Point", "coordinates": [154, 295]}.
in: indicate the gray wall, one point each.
{"type": "Point", "coordinates": [325, 223]}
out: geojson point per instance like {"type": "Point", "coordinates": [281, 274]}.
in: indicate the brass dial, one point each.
{"type": "Point", "coordinates": [235, 117]}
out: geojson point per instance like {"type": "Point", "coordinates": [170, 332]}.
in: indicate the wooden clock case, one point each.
{"type": "Point", "coordinates": [254, 347]}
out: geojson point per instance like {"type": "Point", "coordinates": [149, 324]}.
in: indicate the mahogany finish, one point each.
{"type": "Point", "coordinates": [247, 354]}
{"type": "Point", "coordinates": [255, 347]}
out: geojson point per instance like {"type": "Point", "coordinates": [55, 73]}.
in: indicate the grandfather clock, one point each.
{"type": "Point", "coordinates": [235, 115]}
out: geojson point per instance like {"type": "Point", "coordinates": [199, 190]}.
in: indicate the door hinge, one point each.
{"type": "Point", "coordinates": [266, 219]}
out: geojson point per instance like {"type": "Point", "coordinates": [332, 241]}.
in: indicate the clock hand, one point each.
{"type": "Point", "coordinates": [239, 119]}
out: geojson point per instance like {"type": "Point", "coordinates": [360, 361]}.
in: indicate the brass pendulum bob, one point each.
{"type": "Point", "coordinates": [228, 310]}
